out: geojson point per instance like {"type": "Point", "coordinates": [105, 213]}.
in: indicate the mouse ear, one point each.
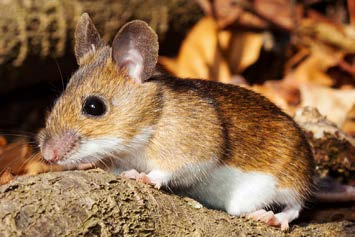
{"type": "Point", "coordinates": [87, 38]}
{"type": "Point", "coordinates": [135, 48]}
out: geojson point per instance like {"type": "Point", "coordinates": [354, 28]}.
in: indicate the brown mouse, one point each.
{"type": "Point", "coordinates": [223, 145]}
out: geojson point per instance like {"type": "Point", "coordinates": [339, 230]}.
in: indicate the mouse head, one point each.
{"type": "Point", "coordinates": [109, 106]}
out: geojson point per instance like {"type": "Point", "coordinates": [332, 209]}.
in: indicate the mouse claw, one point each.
{"type": "Point", "coordinates": [143, 178]}
{"type": "Point", "coordinates": [86, 166]}
{"type": "Point", "coordinates": [140, 177]}
{"type": "Point", "coordinates": [270, 218]}
{"type": "Point", "coordinates": [130, 174]}
{"type": "Point", "coordinates": [152, 179]}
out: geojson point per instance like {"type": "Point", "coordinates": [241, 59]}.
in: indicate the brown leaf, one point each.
{"type": "Point", "coordinates": [18, 159]}
{"type": "Point", "coordinates": [38, 167]}
{"type": "Point", "coordinates": [3, 142]}
{"type": "Point", "coordinates": [332, 103]}
{"type": "Point", "coordinates": [349, 123]}
{"type": "Point", "coordinates": [351, 7]}
{"type": "Point", "coordinates": [199, 56]}
{"type": "Point", "coordinates": [209, 53]}
{"type": "Point", "coordinates": [322, 30]}
{"type": "Point", "coordinates": [6, 177]}
{"type": "Point", "coordinates": [14, 156]}
{"type": "Point", "coordinates": [313, 66]}
{"type": "Point", "coordinates": [281, 93]}
{"type": "Point", "coordinates": [257, 14]}
{"type": "Point", "coordinates": [278, 12]}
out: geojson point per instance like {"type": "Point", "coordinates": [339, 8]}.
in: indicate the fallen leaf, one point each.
{"type": "Point", "coordinates": [257, 14]}
{"type": "Point", "coordinates": [3, 142]}
{"type": "Point", "coordinates": [14, 156]}
{"type": "Point", "coordinates": [213, 54]}
{"type": "Point", "coordinates": [349, 123]}
{"type": "Point", "coordinates": [351, 7]}
{"type": "Point", "coordinates": [6, 177]}
{"type": "Point", "coordinates": [314, 65]}
{"type": "Point", "coordinates": [280, 93]}
{"type": "Point", "coordinates": [332, 103]}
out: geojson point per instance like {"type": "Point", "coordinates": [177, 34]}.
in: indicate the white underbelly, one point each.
{"type": "Point", "coordinates": [239, 192]}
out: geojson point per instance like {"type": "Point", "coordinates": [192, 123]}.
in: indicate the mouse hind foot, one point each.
{"type": "Point", "coordinates": [282, 219]}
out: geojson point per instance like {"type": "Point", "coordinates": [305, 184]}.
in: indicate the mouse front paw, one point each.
{"type": "Point", "coordinates": [142, 177]}
{"type": "Point", "coordinates": [155, 178]}
{"type": "Point", "coordinates": [130, 174]}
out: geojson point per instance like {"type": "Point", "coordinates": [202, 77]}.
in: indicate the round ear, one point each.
{"type": "Point", "coordinates": [87, 38]}
{"type": "Point", "coordinates": [135, 49]}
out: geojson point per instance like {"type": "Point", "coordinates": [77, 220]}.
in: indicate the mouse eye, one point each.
{"type": "Point", "coordinates": [94, 106]}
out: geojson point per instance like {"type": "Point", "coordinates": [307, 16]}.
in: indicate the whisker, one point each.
{"type": "Point", "coordinates": [15, 146]}
{"type": "Point", "coordinates": [60, 73]}
{"type": "Point", "coordinates": [27, 161]}
{"type": "Point", "coordinates": [15, 131]}
{"type": "Point", "coordinates": [16, 135]}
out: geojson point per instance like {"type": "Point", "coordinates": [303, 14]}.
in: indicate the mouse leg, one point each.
{"type": "Point", "coordinates": [130, 174]}
{"type": "Point", "coordinates": [157, 178]}
{"type": "Point", "coordinates": [281, 219]}
{"type": "Point", "coordinates": [134, 174]}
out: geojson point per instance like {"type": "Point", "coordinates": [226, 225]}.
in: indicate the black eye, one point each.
{"type": "Point", "coordinates": [94, 106]}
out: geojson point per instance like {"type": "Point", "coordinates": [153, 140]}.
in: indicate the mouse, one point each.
{"type": "Point", "coordinates": [223, 145]}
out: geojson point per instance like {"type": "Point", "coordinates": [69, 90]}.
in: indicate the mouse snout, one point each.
{"type": "Point", "coordinates": [59, 147]}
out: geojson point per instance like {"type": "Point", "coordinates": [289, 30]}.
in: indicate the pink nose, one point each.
{"type": "Point", "coordinates": [58, 147]}
{"type": "Point", "coordinates": [54, 155]}
{"type": "Point", "coordinates": [50, 153]}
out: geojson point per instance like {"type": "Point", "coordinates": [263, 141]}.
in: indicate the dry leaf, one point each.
{"type": "Point", "coordinates": [332, 103]}
{"type": "Point", "coordinates": [351, 7]}
{"type": "Point", "coordinates": [313, 69]}
{"type": "Point", "coordinates": [38, 167]}
{"type": "Point", "coordinates": [212, 54]}
{"type": "Point", "coordinates": [3, 142]}
{"type": "Point", "coordinates": [18, 159]}
{"type": "Point", "coordinates": [279, 12]}
{"type": "Point", "coordinates": [257, 14]}
{"type": "Point", "coordinates": [349, 123]}
{"type": "Point", "coordinates": [281, 93]}
{"type": "Point", "coordinates": [199, 56]}
{"type": "Point", "coordinates": [322, 30]}
{"type": "Point", "coordinates": [14, 156]}
{"type": "Point", "coordinates": [227, 12]}
{"type": "Point", "coordinates": [6, 177]}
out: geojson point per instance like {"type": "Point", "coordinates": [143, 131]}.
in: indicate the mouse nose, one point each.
{"type": "Point", "coordinates": [57, 148]}
{"type": "Point", "coordinates": [54, 155]}
{"type": "Point", "coordinates": [50, 153]}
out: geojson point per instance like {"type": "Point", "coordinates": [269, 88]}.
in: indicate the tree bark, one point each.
{"type": "Point", "coordinates": [41, 29]}
{"type": "Point", "coordinates": [96, 203]}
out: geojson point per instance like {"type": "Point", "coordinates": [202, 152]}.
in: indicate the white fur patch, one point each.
{"type": "Point", "coordinates": [133, 155]}
{"type": "Point", "coordinates": [240, 192]}
{"type": "Point", "coordinates": [127, 154]}
{"type": "Point", "coordinates": [159, 177]}
{"type": "Point", "coordinates": [93, 150]}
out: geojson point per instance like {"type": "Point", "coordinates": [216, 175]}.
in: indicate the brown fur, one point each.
{"type": "Point", "coordinates": [193, 121]}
